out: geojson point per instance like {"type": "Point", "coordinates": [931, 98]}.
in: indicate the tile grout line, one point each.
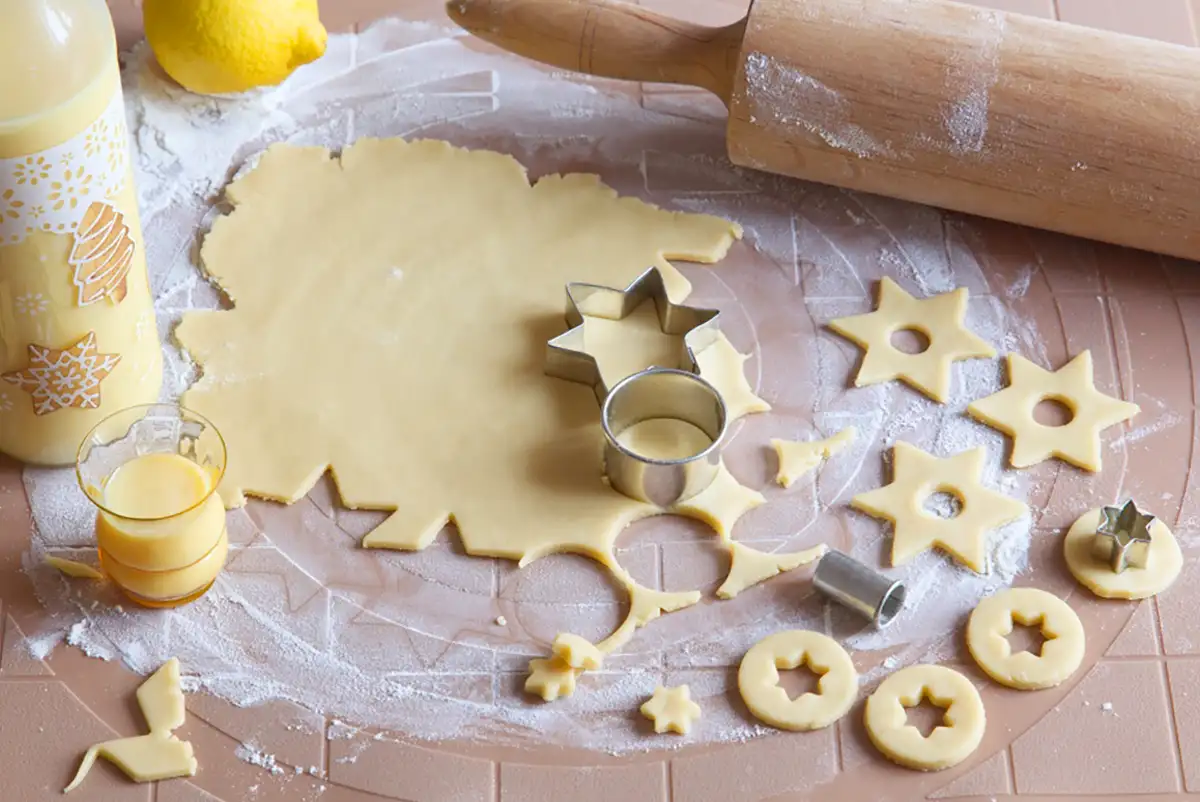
{"type": "Point", "coordinates": [496, 780]}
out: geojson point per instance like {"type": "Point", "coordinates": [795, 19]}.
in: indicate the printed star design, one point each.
{"type": "Point", "coordinates": [1076, 442]}
{"type": "Point", "coordinates": [68, 378]}
{"type": "Point", "coordinates": [916, 476]}
{"type": "Point", "coordinates": [939, 318]}
{"type": "Point", "coordinates": [550, 679]}
{"type": "Point", "coordinates": [672, 709]}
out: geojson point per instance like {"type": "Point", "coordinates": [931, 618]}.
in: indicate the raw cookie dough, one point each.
{"type": "Point", "coordinates": [672, 709]}
{"type": "Point", "coordinates": [758, 680]}
{"type": "Point", "coordinates": [798, 458]}
{"type": "Point", "coordinates": [159, 755]}
{"type": "Point", "coordinates": [939, 318]}
{"type": "Point", "coordinates": [72, 568]}
{"type": "Point", "coordinates": [948, 744]}
{"type": "Point", "coordinates": [577, 652]}
{"type": "Point", "coordinates": [992, 622]}
{"type": "Point", "coordinates": [1076, 442]}
{"type": "Point", "coordinates": [432, 341]}
{"type": "Point", "coordinates": [917, 475]}
{"type": "Point", "coordinates": [1162, 566]}
{"type": "Point", "coordinates": [551, 679]}
{"type": "Point", "coordinates": [751, 566]}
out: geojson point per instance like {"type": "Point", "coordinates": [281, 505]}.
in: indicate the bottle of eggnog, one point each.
{"type": "Point", "coordinates": [78, 337]}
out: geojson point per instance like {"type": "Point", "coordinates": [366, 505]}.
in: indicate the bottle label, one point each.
{"type": "Point", "coordinates": [69, 189]}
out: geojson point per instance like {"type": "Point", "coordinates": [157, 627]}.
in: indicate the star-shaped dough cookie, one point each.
{"type": "Point", "coordinates": [60, 379]}
{"type": "Point", "coordinates": [916, 476]}
{"type": "Point", "coordinates": [551, 678]}
{"type": "Point", "coordinates": [1076, 442]}
{"type": "Point", "coordinates": [578, 653]}
{"type": "Point", "coordinates": [939, 318]}
{"type": "Point", "coordinates": [672, 709]}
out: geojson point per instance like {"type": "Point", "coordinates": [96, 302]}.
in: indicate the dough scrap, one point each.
{"type": "Point", "coordinates": [577, 652]}
{"type": "Point", "coordinates": [721, 504]}
{"type": "Point", "coordinates": [1073, 385]}
{"type": "Point", "coordinates": [672, 709]}
{"type": "Point", "coordinates": [432, 341]}
{"type": "Point", "coordinates": [798, 458]}
{"type": "Point", "coordinates": [992, 622]}
{"type": "Point", "coordinates": [1162, 566]}
{"type": "Point", "coordinates": [940, 319]}
{"type": "Point", "coordinates": [159, 755]}
{"type": "Point", "coordinates": [72, 568]}
{"type": "Point", "coordinates": [917, 475]}
{"type": "Point", "coordinates": [758, 680]}
{"type": "Point", "coordinates": [948, 744]}
{"type": "Point", "coordinates": [751, 566]}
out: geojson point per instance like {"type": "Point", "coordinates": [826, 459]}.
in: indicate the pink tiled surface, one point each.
{"type": "Point", "coordinates": [1127, 727]}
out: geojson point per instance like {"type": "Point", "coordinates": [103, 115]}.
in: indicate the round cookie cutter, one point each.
{"type": "Point", "coordinates": [654, 394]}
{"type": "Point", "coordinates": [873, 595]}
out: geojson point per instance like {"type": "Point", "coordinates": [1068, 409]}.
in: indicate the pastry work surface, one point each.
{"type": "Point", "coordinates": [809, 255]}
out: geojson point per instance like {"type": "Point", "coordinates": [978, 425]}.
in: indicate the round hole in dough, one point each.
{"type": "Point", "coordinates": [1162, 566]}
{"type": "Point", "coordinates": [948, 745]}
{"type": "Point", "coordinates": [992, 621]}
{"type": "Point", "coordinates": [909, 340]}
{"type": "Point", "coordinates": [944, 502]}
{"type": "Point", "coordinates": [1053, 411]}
{"type": "Point", "coordinates": [758, 680]}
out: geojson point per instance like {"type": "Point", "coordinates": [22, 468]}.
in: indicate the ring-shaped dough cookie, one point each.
{"type": "Point", "coordinates": [992, 622]}
{"type": "Point", "coordinates": [758, 680]}
{"type": "Point", "coordinates": [1162, 566]}
{"type": "Point", "coordinates": [948, 744]}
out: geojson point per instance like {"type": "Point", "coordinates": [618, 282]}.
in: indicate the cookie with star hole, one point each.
{"type": "Point", "coordinates": [1073, 385]}
{"type": "Point", "coordinates": [917, 476]}
{"type": "Point", "coordinates": [940, 319]}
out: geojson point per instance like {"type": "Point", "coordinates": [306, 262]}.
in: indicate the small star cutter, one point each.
{"type": "Point", "coordinates": [1073, 385]}
{"type": "Point", "coordinates": [1123, 537]}
{"type": "Point", "coordinates": [566, 357]}
{"type": "Point", "coordinates": [915, 476]}
{"type": "Point", "coordinates": [939, 318]}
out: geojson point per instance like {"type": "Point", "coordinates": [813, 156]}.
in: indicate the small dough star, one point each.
{"type": "Point", "coordinates": [578, 653]}
{"type": "Point", "coordinates": [917, 475]}
{"type": "Point", "coordinates": [939, 318]}
{"type": "Point", "coordinates": [551, 678]}
{"type": "Point", "coordinates": [672, 709]}
{"type": "Point", "coordinates": [68, 378]}
{"type": "Point", "coordinates": [1076, 442]}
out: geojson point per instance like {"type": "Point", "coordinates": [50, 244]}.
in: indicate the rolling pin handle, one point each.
{"type": "Point", "coordinates": [607, 39]}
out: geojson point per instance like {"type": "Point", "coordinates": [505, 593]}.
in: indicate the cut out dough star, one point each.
{"type": "Point", "coordinates": [939, 318]}
{"type": "Point", "coordinates": [672, 709]}
{"type": "Point", "coordinates": [58, 379]}
{"type": "Point", "coordinates": [576, 652]}
{"type": "Point", "coordinates": [1076, 442]}
{"type": "Point", "coordinates": [917, 475]}
{"type": "Point", "coordinates": [550, 679]}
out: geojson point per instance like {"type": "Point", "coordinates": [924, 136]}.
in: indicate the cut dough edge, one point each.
{"type": "Point", "coordinates": [797, 458]}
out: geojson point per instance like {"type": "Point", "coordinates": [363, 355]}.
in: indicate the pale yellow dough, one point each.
{"type": "Point", "coordinates": [948, 744]}
{"type": "Point", "coordinates": [750, 566]}
{"type": "Point", "coordinates": [992, 622]}
{"type": "Point", "coordinates": [758, 680]}
{"type": "Point", "coordinates": [437, 277]}
{"type": "Point", "coordinates": [159, 755]}
{"type": "Point", "coordinates": [798, 458]}
{"type": "Point", "coordinates": [72, 568]}
{"type": "Point", "coordinates": [1162, 567]}
{"type": "Point", "coordinates": [1076, 442]}
{"type": "Point", "coordinates": [917, 475]}
{"type": "Point", "coordinates": [672, 710]}
{"type": "Point", "coordinates": [577, 652]}
{"type": "Point", "coordinates": [939, 318]}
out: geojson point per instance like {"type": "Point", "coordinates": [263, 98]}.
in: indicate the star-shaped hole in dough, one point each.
{"type": "Point", "coordinates": [1072, 385]}
{"type": "Point", "coordinates": [672, 709]}
{"type": "Point", "coordinates": [939, 319]}
{"type": "Point", "coordinates": [918, 475]}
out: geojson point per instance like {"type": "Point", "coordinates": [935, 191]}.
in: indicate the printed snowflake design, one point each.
{"type": "Point", "coordinates": [32, 170]}
{"type": "Point", "coordinates": [66, 159]}
{"type": "Point", "coordinates": [36, 212]}
{"type": "Point", "coordinates": [10, 208]}
{"type": "Point", "coordinates": [68, 378]}
{"type": "Point", "coordinates": [5, 403]}
{"type": "Point", "coordinates": [31, 304]}
{"type": "Point", "coordinates": [97, 139]}
{"type": "Point", "coordinates": [73, 188]}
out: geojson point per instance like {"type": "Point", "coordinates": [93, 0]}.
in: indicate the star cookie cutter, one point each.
{"type": "Point", "coordinates": [565, 354]}
{"type": "Point", "coordinates": [1123, 537]}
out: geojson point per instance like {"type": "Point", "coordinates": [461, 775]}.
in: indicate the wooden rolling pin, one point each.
{"type": "Point", "coordinates": [1001, 115]}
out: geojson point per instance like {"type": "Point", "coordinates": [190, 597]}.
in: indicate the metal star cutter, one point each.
{"type": "Point", "coordinates": [565, 354]}
{"type": "Point", "coordinates": [1123, 537]}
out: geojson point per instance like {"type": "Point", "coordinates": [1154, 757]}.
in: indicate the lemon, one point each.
{"type": "Point", "coordinates": [217, 47]}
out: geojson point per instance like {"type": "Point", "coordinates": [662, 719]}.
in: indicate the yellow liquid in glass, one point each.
{"type": "Point", "coordinates": [162, 531]}
{"type": "Point", "coordinates": [73, 279]}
